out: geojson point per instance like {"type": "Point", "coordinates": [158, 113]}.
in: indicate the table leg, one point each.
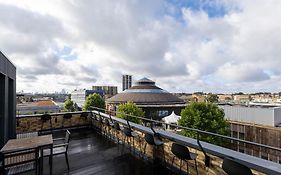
{"type": "Point", "coordinates": [41, 161]}
{"type": "Point", "coordinates": [51, 161]}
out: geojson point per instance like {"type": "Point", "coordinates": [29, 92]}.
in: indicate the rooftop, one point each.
{"type": "Point", "coordinates": [42, 103]}
{"type": "Point", "coordinates": [145, 92]}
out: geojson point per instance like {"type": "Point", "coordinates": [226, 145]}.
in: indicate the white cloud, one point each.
{"type": "Point", "coordinates": [191, 52]}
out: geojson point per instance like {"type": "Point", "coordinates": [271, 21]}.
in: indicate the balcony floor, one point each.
{"type": "Point", "coordinates": [91, 153]}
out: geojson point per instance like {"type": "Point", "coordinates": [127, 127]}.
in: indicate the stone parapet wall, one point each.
{"type": "Point", "coordinates": [34, 123]}
{"type": "Point", "coordinates": [151, 151]}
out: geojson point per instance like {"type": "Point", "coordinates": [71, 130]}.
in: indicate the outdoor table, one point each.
{"type": "Point", "coordinates": [45, 141]}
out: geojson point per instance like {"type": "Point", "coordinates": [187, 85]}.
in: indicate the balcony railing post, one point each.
{"type": "Point", "coordinates": [207, 158]}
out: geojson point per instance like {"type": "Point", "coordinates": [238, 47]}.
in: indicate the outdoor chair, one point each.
{"type": "Point", "coordinates": [46, 119]}
{"type": "Point", "coordinates": [155, 141]}
{"type": "Point", "coordinates": [117, 129]}
{"type": "Point", "coordinates": [129, 135]}
{"type": "Point", "coordinates": [83, 117]}
{"type": "Point", "coordinates": [59, 149]}
{"type": "Point", "coordinates": [231, 167]}
{"type": "Point", "coordinates": [182, 152]}
{"type": "Point", "coordinates": [66, 117]}
{"type": "Point", "coordinates": [21, 161]}
{"type": "Point", "coordinates": [108, 128]}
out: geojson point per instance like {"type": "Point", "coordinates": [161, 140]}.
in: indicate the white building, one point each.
{"type": "Point", "coordinates": [262, 115]}
{"type": "Point", "coordinates": [79, 96]}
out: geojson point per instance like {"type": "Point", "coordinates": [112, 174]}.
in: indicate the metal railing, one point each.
{"type": "Point", "coordinates": [153, 122]}
{"type": "Point", "coordinates": [198, 131]}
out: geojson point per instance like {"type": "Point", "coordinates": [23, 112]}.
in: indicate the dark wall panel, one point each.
{"type": "Point", "coordinates": [11, 108]}
{"type": "Point", "coordinates": [7, 99]}
{"type": "Point", "coordinates": [2, 109]}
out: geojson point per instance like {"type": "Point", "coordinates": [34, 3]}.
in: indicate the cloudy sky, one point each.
{"type": "Point", "coordinates": [184, 45]}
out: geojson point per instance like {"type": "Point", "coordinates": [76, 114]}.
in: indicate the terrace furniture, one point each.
{"type": "Point", "coordinates": [129, 135]}
{"type": "Point", "coordinates": [44, 119]}
{"type": "Point", "coordinates": [59, 149]}
{"type": "Point", "coordinates": [155, 141]}
{"type": "Point", "coordinates": [182, 152]}
{"type": "Point", "coordinates": [21, 161]}
{"type": "Point", "coordinates": [231, 167]}
{"type": "Point", "coordinates": [66, 117]}
{"type": "Point", "coordinates": [84, 116]}
{"type": "Point", "coordinates": [117, 130]}
{"type": "Point", "coordinates": [100, 121]}
{"type": "Point", "coordinates": [29, 143]}
{"type": "Point", "coordinates": [108, 128]}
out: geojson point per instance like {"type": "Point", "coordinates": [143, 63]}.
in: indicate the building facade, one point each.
{"type": "Point", "coordinates": [259, 124]}
{"type": "Point", "coordinates": [7, 99]}
{"type": "Point", "coordinates": [155, 102]}
{"type": "Point", "coordinates": [79, 96]}
{"type": "Point", "coordinates": [109, 91]}
{"type": "Point", "coordinates": [126, 82]}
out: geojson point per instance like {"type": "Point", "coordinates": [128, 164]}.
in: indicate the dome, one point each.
{"type": "Point", "coordinates": [145, 92]}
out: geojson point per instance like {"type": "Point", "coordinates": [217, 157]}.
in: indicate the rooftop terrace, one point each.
{"type": "Point", "coordinates": [93, 150]}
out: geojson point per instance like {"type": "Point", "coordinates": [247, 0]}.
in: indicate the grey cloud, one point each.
{"type": "Point", "coordinates": [30, 77]}
{"type": "Point", "coordinates": [73, 84]}
{"type": "Point", "coordinates": [88, 79]}
{"type": "Point", "coordinates": [26, 31]}
{"type": "Point", "coordinates": [43, 65]}
{"type": "Point", "coordinates": [242, 73]}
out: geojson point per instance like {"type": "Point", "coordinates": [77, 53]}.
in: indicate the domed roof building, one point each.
{"type": "Point", "coordinates": [156, 102]}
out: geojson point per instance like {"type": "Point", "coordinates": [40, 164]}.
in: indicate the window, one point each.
{"type": "Point", "coordinates": [242, 136]}
{"type": "Point", "coordinates": [234, 134]}
{"type": "Point", "coordinates": [163, 113]}
{"type": "Point", "coordinates": [241, 150]}
{"type": "Point", "coordinates": [264, 156]}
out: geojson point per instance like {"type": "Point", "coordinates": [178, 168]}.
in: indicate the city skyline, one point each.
{"type": "Point", "coordinates": [185, 46]}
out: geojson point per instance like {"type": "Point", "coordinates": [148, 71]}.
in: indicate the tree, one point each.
{"type": "Point", "coordinates": [207, 117]}
{"type": "Point", "coordinates": [94, 100]}
{"type": "Point", "coordinates": [69, 105]}
{"type": "Point", "coordinates": [131, 109]}
{"type": "Point", "coordinates": [212, 98]}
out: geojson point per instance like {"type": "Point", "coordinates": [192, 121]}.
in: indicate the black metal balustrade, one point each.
{"type": "Point", "coordinates": [258, 164]}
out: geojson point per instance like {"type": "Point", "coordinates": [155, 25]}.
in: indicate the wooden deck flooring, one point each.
{"type": "Point", "coordinates": [90, 153]}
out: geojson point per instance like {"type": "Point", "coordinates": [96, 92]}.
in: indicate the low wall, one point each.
{"type": "Point", "coordinates": [30, 123]}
